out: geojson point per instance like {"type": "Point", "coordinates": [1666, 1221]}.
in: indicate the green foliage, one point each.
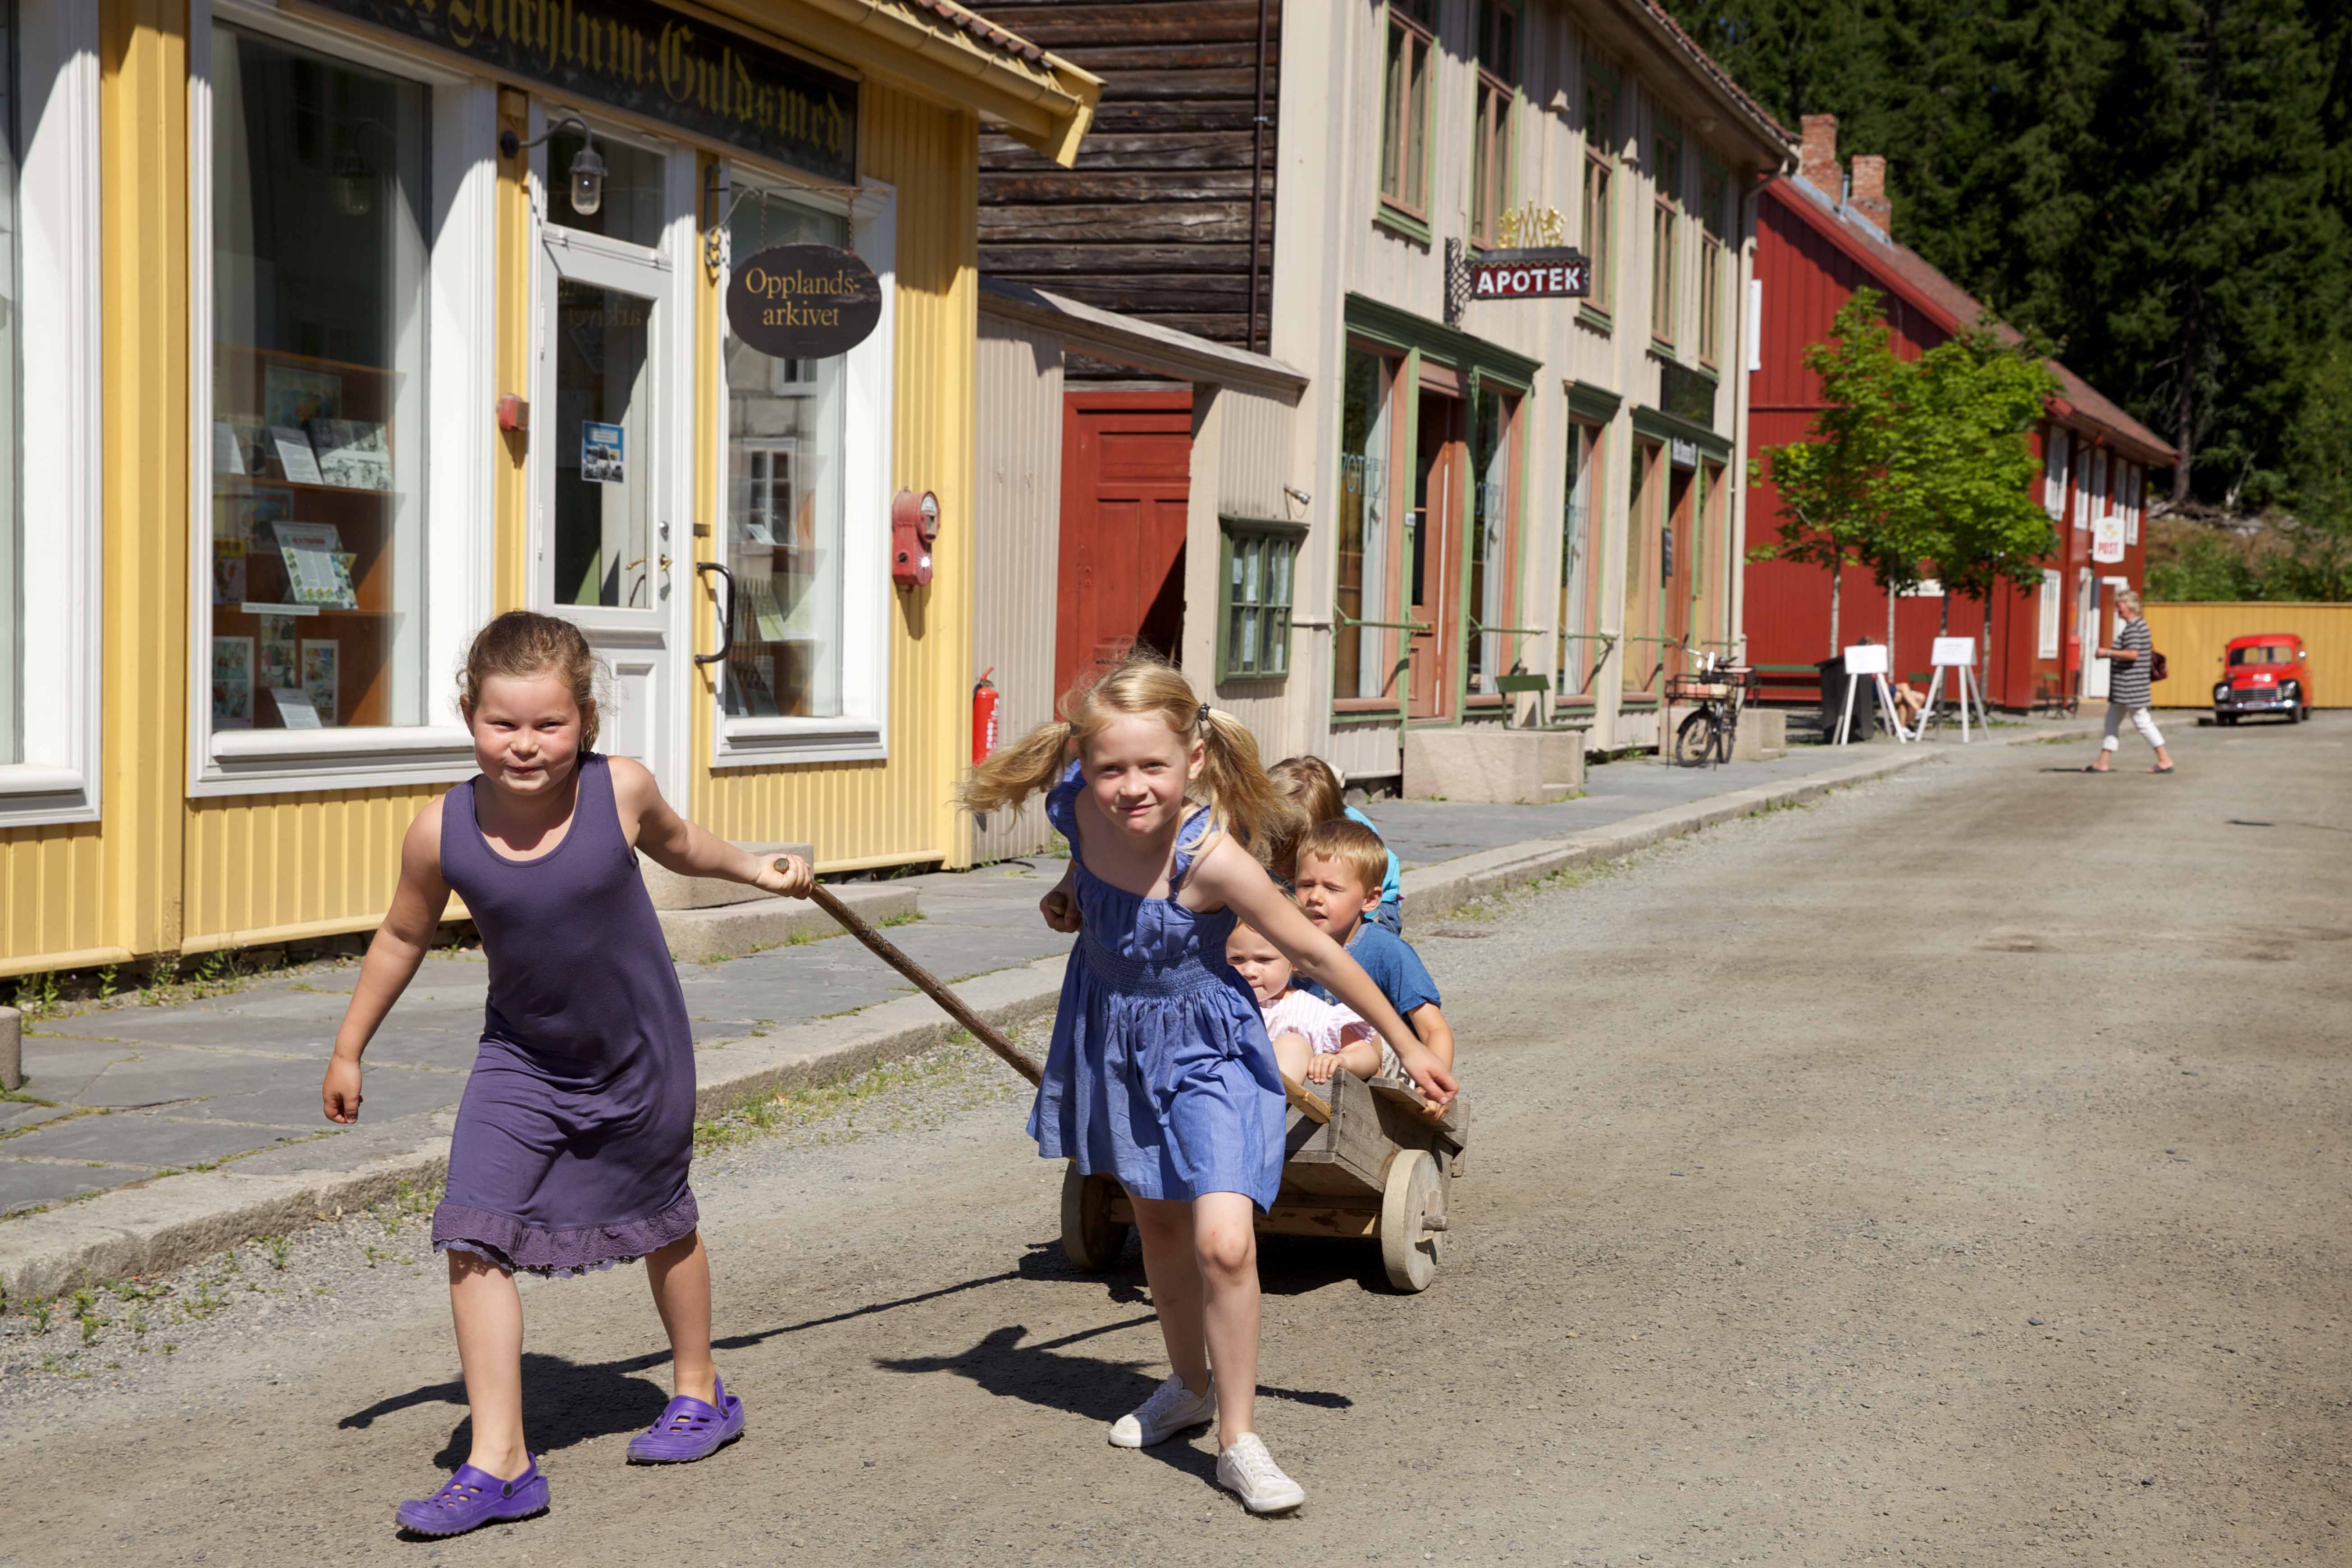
{"type": "Point", "coordinates": [1918, 465]}
{"type": "Point", "coordinates": [2159, 186]}
{"type": "Point", "coordinates": [2205, 567]}
{"type": "Point", "coordinates": [2318, 562]}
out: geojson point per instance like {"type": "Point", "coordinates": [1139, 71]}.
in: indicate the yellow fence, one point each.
{"type": "Point", "coordinates": [2193, 637]}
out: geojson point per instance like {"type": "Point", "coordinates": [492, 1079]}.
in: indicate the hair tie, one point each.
{"type": "Point", "coordinates": [1202, 720]}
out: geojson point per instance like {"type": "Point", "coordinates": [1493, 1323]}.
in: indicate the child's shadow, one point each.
{"type": "Point", "coordinates": [1091, 1387]}
{"type": "Point", "coordinates": [569, 1404]}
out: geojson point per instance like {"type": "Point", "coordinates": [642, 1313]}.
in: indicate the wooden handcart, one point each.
{"type": "Point", "coordinates": [1363, 1160]}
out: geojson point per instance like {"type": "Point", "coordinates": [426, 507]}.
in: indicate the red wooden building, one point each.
{"type": "Point", "coordinates": [1819, 237]}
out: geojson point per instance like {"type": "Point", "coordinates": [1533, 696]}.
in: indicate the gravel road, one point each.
{"type": "Point", "coordinates": [1952, 1171]}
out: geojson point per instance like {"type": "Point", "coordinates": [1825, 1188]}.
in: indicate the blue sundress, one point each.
{"type": "Point", "coordinates": [1160, 1072]}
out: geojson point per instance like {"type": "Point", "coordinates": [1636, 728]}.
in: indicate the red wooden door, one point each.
{"type": "Point", "coordinates": [1127, 473]}
{"type": "Point", "coordinates": [1432, 553]}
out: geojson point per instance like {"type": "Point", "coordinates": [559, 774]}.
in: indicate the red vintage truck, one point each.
{"type": "Point", "coordinates": [2268, 672]}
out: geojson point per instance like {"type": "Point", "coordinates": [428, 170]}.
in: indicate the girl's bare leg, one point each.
{"type": "Point", "coordinates": [488, 1315]}
{"type": "Point", "coordinates": [1224, 1239]}
{"type": "Point", "coordinates": [680, 1277]}
{"type": "Point", "coordinates": [1171, 1266]}
{"type": "Point", "coordinates": [1291, 1054]}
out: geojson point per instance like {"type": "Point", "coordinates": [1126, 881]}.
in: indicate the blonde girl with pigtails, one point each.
{"type": "Point", "coordinates": [1160, 1073]}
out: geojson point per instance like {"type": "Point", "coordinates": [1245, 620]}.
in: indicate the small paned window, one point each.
{"type": "Point", "coordinates": [1712, 263]}
{"type": "Point", "coordinates": [1254, 595]}
{"type": "Point", "coordinates": [1404, 106]}
{"type": "Point", "coordinates": [1599, 173]}
{"type": "Point", "coordinates": [1665, 215]}
{"type": "Point", "coordinates": [1490, 137]}
{"type": "Point", "coordinates": [1363, 589]}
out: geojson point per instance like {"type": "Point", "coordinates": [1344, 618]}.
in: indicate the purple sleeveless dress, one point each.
{"type": "Point", "coordinates": [577, 1125]}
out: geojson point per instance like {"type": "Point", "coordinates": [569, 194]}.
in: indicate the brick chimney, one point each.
{"type": "Point", "coordinates": [1817, 161]}
{"type": "Point", "coordinates": [1869, 196]}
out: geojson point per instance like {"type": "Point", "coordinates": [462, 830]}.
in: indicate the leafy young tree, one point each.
{"type": "Point", "coordinates": [1839, 490]}
{"type": "Point", "coordinates": [1979, 399]}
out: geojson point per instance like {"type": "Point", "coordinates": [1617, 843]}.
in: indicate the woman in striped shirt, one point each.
{"type": "Point", "coordinates": [2128, 686]}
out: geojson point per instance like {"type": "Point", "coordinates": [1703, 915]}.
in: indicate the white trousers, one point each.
{"type": "Point", "coordinates": [2140, 721]}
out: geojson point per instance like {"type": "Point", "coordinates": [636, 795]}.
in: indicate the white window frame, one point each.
{"type": "Point", "coordinates": [2053, 597]}
{"type": "Point", "coordinates": [459, 503]}
{"type": "Point", "coordinates": [2132, 498]}
{"type": "Point", "coordinates": [61, 573]}
{"type": "Point", "coordinates": [2056, 452]}
{"type": "Point", "coordinates": [862, 730]}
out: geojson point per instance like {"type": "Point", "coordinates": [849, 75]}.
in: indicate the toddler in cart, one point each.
{"type": "Point", "coordinates": [1313, 1038]}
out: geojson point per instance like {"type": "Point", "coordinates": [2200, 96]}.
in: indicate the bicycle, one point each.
{"type": "Point", "coordinates": [1720, 690]}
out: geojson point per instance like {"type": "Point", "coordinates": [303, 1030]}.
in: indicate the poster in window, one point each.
{"type": "Point", "coordinates": [232, 683]}
{"type": "Point", "coordinates": [279, 654]}
{"type": "Point", "coordinates": [292, 397]}
{"type": "Point", "coordinates": [228, 571]}
{"type": "Point", "coordinates": [228, 453]}
{"type": "Point", "coordinates": [295, 710]}
{"type": "Point", "coordinates": [321, 662]}
{"type": "Point", "coordinates": [298, 463]}
{"type": "Point", "coordinates": [601, 453]}
{"type": "Point", "coordinates": [352, 454]}
{"type": "Point", "coordinates": [318, 570]}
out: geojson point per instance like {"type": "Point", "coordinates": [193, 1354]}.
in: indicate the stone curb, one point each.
{"type": "Point", "coordinates": [176, 1220]}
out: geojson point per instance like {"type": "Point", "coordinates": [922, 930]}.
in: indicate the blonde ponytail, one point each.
{"type": "Point", "coordinates": [1031, 765]}
{"type": "Point", "coordinates": [1242, 800]}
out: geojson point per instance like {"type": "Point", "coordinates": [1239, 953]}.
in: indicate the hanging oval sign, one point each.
{"type": "Point", "coordinates": [804, 302]}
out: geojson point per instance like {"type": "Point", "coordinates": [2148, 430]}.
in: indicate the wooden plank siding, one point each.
{"type": "Point", "coordinates": [1154, 220]}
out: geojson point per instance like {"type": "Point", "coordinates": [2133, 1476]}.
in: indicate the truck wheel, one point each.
{"type": "Point", "coordinates": [1091, 1239]}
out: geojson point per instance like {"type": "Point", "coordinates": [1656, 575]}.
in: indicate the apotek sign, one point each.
{"type": "Point", "coordinates": [1561, 274]}
{"type": "Point", "coordinates": [802, 301]}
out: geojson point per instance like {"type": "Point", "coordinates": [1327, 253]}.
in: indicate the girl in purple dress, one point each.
{"type": "Point", "coordinates": [1160, 1072]}
{"type": "Point", "coordinates": [577, 1124]}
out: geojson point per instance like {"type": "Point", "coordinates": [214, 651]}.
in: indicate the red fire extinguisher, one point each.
{"type": "Point", "coordinates": [983, 717]}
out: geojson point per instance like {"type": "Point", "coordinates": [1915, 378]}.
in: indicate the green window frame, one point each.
{"type": "Point", "coordinates": [1665, 271]}
{"type": "Point", "coordinates": [1257, 577]}
{"type": "Point", "coordinates": [1411, 43]}
{"type": "Point", "coordinates": [1492, 142]}
{"type": "Point", "coordinates": [1598, 214]}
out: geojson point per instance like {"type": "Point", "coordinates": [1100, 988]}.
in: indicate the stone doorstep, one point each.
{"type": "Point", "coordinates": [670, 890]}
{"type": "Point", "coordinates": [1491, 764]}
{"type": "Point", "coordinates": [175, 1220]}
{"type": "Point", "coordinates": [733, 931]}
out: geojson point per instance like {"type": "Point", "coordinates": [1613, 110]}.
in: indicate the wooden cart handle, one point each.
{"type": "Point", "coordinates": [925, 982]}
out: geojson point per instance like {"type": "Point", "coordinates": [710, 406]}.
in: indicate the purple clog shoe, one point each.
{"type": "Point", "coordinates": [474, 1498]}
{"type": "Point", "coordinates": [688, 1429]}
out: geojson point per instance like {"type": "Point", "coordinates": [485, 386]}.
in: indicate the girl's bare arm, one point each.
{"type": "Point", "coordinates": [1229, 876]}
{"type": "Point", "coordinates": [677, 845]}
{"type": "Point", "coordinates": [400, 945]}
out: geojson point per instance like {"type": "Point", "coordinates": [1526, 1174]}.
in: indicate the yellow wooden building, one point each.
{"type": "Point", "coordinates": [336, 326]}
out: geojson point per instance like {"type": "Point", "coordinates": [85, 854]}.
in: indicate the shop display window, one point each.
{"type": "Point", "coordinates": [12, 547]}
{"type": "Point", "coordinates": [1360, 663]}
{"type": "Point", "coordinates": [318, 446]}
{"type": "Point", "coordinates": [785, 474]}
{"type": "Point", "coordinates": [1493, 540]}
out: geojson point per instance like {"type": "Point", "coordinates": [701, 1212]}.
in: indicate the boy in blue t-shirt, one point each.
{"type": "Point", "coordinates": [1341, 864]}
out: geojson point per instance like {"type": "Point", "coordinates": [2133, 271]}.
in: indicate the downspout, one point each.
{"type": "Point", "coordinates": [1257, 177]}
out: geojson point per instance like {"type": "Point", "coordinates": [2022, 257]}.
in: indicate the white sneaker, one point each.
{"type": "Point", "coordinates": [1249, 1471]}
{"type": "Point", "coordinates": [1171, 1408]}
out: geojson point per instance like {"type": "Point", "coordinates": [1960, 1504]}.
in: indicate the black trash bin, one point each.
{"type": "Point", "coordinates": [1865, 703]}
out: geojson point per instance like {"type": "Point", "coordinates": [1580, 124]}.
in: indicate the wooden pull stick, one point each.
{"type": "Point", "coordinates": [1309, 1106]}
{"type": "Point", "coordinates": [925, 983]}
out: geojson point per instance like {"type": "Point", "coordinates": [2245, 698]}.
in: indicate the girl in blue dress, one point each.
{"type": "Point", "coordinates": [1160, 1073]}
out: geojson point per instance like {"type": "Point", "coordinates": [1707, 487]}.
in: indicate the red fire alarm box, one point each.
{"type": "Point", "coordinates": [914, 527]}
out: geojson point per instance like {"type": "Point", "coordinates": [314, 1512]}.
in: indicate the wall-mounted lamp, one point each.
{"type": "Point", "coordinates": [587, 168]}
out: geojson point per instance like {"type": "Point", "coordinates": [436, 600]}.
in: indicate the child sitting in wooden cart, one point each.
{"type": "Point", "coordinates": [1313, 1038]}
{"type": "Point", "coordinates": [1340, 868]}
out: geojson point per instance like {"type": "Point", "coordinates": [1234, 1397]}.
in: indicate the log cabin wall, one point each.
{"type": "Point", "coordinates": [1154, 220]}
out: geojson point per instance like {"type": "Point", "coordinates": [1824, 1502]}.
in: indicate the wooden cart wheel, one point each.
{"type": "Point", "coordinates": [1408, 1245]}
{"type": "Point", "coordinates": [1091, 1239]}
